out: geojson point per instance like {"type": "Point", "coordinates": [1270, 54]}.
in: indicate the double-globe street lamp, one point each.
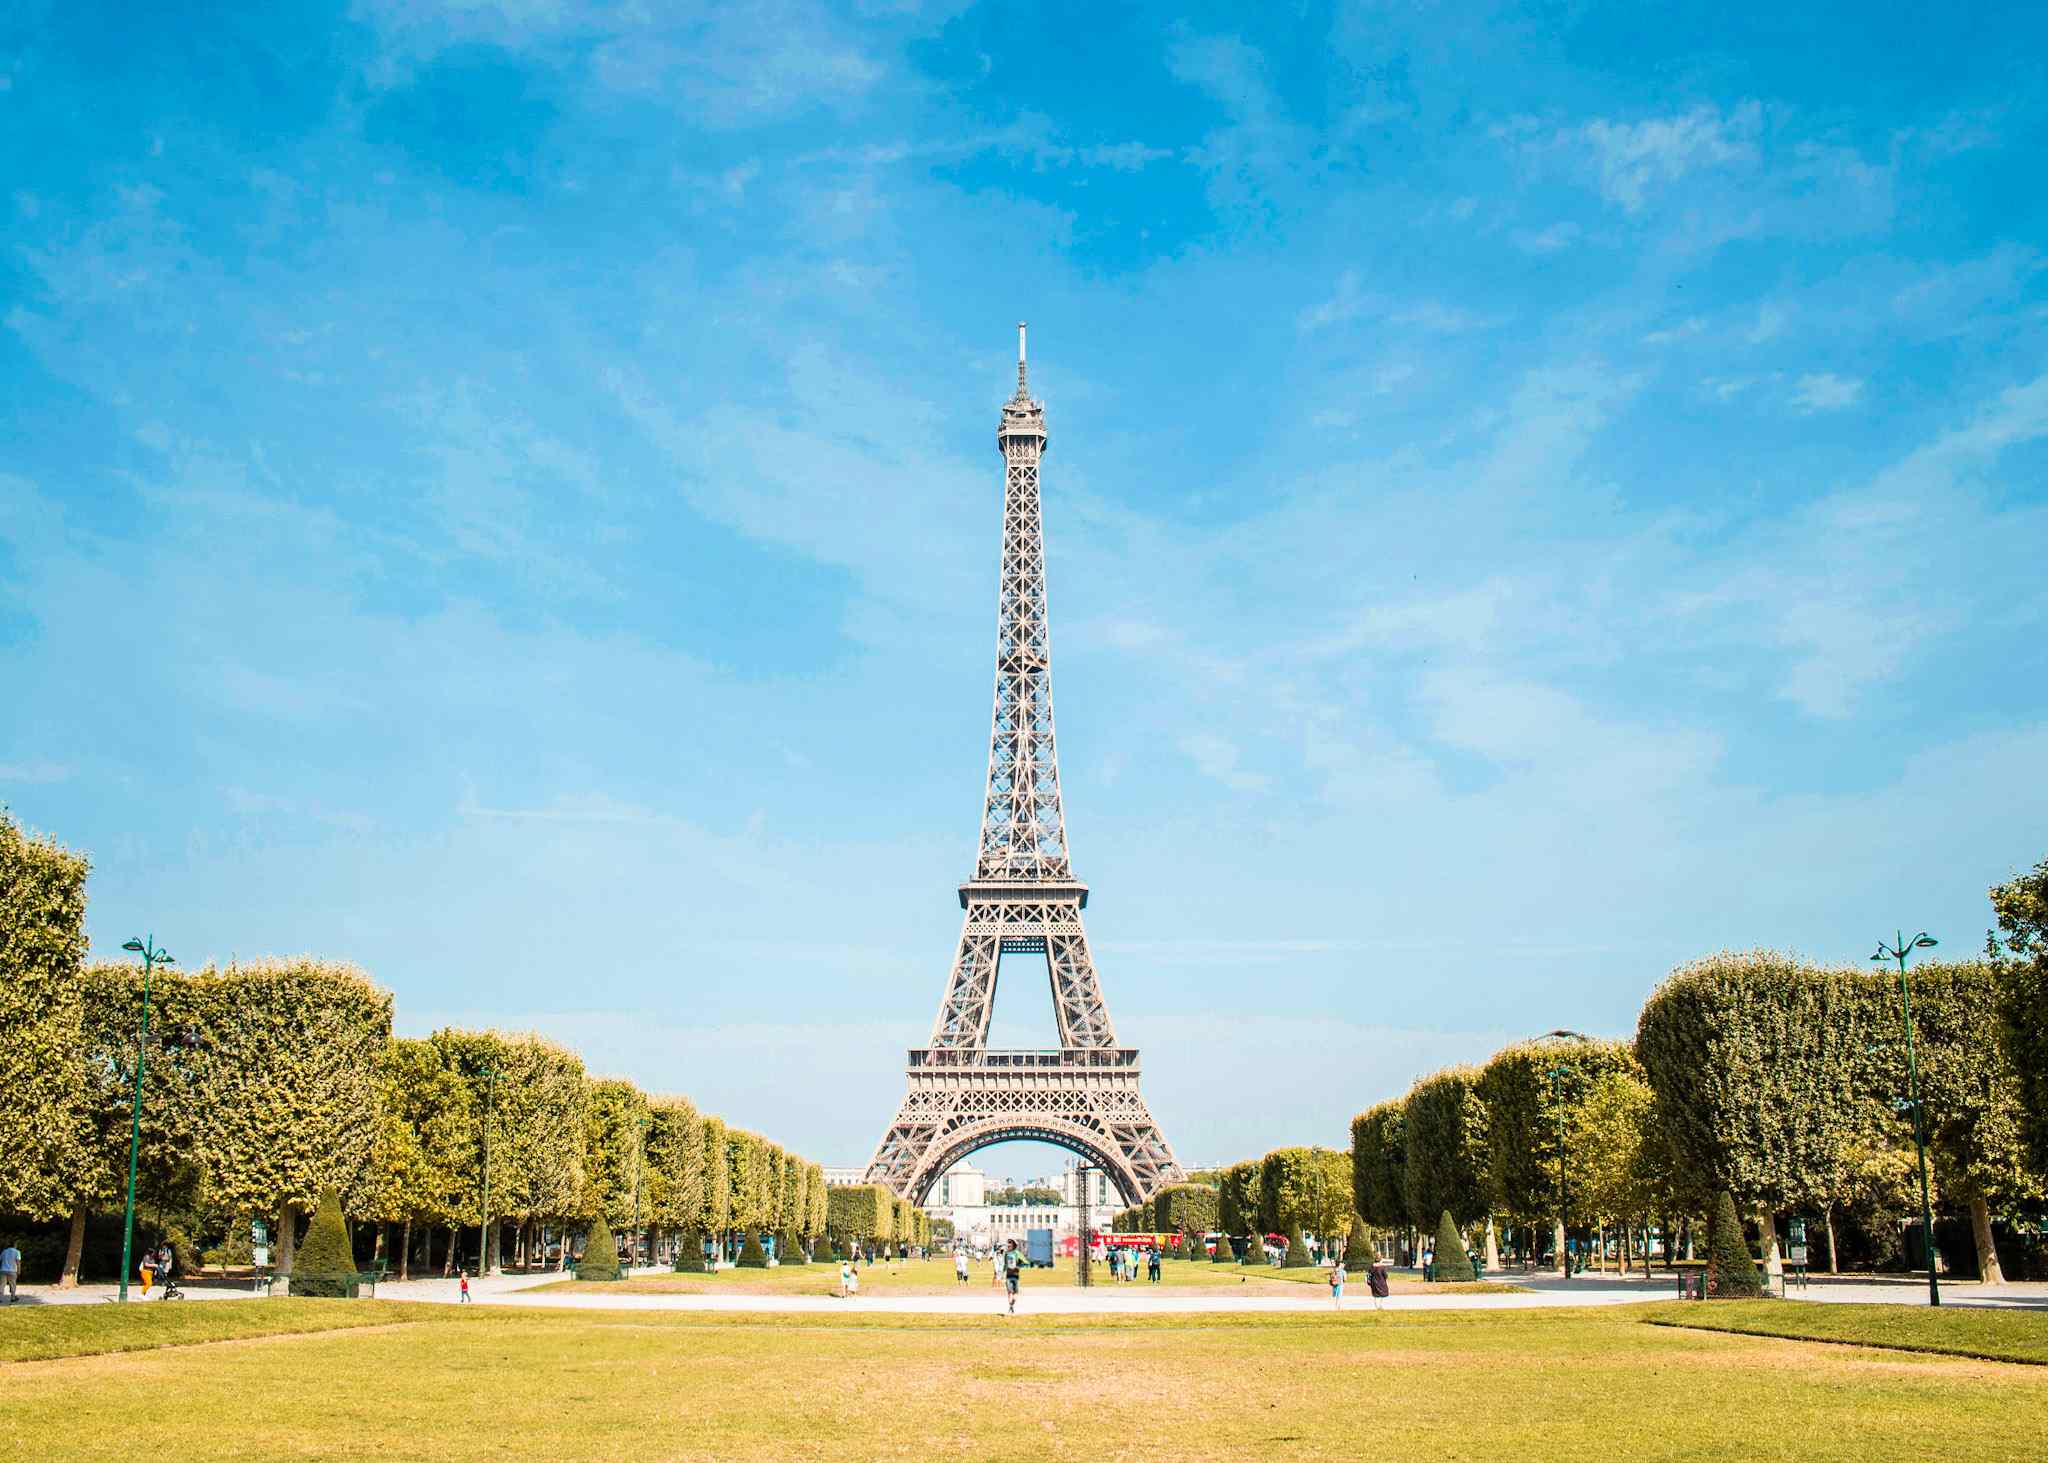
{"type": "Point", "coordinates": [151, 958]}
{"type": "Point", "coordinates": [1558, 1071]}
{"type": "Point", "coordinates": [1898, 950]}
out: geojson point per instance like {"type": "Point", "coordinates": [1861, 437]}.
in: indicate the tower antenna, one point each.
{"type": "Point", "coordinates": [1021, 391]}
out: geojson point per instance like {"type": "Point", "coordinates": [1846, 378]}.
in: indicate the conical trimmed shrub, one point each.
{"type": "Point", "coordinates": [1452, 1263]}
{"type": "Point", "coordinates": [1731, 1273]}
{"type": "Point", "coordinates": [1358, 1251]}
{"type": "Point", "coordinates": [1254, 1249]}
{"type": "Point", "coordinates": [1296, 1257]}
{"type": "Point", "coordinates": [690, 1254]}
{"type": "Point", "coordinates": [789, 1250]}
{"type": "Point", "coordinates": [1222, 1256]}
{"type": "Point", "coordinates": [752, 1256]}
{"type": "Point", "coordinates": [326, 1263]}
{"type": "Point", "coordinates": [600, 1254]}
{"type": "Point", "coordinates": [1191, 1246]}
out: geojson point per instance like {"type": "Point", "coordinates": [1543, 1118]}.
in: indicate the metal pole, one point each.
{"type": "Point", "coordinates": [639, 1164]}
{"type": "Point", "coordinates": [1919, 1126]}
{"type": "Point", "coordinates": [483, 1239]}
{"type": "Point", "coordinates": [1564, 1258]}
{"type": "Point", "coordinates": [149, 957]}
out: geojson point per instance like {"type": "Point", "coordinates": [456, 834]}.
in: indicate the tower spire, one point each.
{"type": "Point", "coordinates": [1023, 391]}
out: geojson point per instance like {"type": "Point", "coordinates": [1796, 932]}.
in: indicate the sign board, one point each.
{"type": "Point", "coordinates": [261, 1255]}
{"type": "Point", "coordinates": [1799, 1254]}
{"type": "Point", "coordinates": [1798, 1234]}
{"type": "Point", "coordinates": [258, 1233]}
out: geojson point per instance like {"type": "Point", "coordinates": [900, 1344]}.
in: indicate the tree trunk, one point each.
{"type": "Point", "coordinates": [405, 1251]}
{"type": "Point", "coordinates": [74, 1250]}
{"type": "Point", "coordinates": [1492, 1245]}
{"type": "Point", "coordinates": [1774, 1259]}
{"type": "Point", "coordinates": [1827, 1218]}
{"type": "Point", "coordinates": [448, 1260]}
{"type": "Point", "coordinates": [287, 1237]}
{"type": "Point", "coordinates": [1987, 1249]}
{"type": "Point", "coordinates": [1563, 1260]}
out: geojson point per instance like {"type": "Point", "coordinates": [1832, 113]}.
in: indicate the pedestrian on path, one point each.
{"type": "Point", "coordinates": [1429, 1262]}
{"type": "Point", "coordinates": [1152, 1265]}
{"type": "Point", "coordinates": [960, 1265]}
{"type": "Point", "coordinates": [1337, 1283]}
{"type": "Point", "coordinates": [1376, 1282]}
{"type": "Point", "coordinates": [849, 1283]}
{"type": "Point", "coordinates": [1013, 1273]}
{"type": "Point", "coordinates": [146, 1268]}
{"type": "Point", "coordinates": [10, 1270]}
{"type": "Point", "coordinates": [462, 1295]}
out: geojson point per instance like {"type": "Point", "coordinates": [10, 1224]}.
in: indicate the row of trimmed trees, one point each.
{"type": "Point", "coordinates": [269, 1083]}
{"type": "Point", "coordinates": [1781, 1083]}
{"type": "Point", "coordinates": [862, 1215]}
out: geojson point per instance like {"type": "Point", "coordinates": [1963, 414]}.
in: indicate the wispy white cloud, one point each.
{"type": "Point", "coordinates": [1637, 158]}
{"type": "Point", "coordinates": [1825, 391]}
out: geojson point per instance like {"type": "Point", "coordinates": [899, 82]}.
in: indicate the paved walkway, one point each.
{"type": "Point", "coordinates": [1544, 1291]}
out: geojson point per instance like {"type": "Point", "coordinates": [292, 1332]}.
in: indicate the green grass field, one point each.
{"type": "Point", "coordinates": [444, 1383]}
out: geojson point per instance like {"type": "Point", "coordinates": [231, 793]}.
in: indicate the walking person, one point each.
{"type": "Point", "coordinates": [960, 1265]}
{"type": "Point", "coordinates": [10, 1270]}
{"type": "Point", "coordinates": [1013, 1273]}
{"type": "Point", "coordinates": [1337, 1278]}
{"type": "Point", "coordinates": [849, 1283]}
{"type": "Point", "coordinates": [146, 1268]}
{"type": "Point", "coordinates": [1429, 1262]}
{"type": "Point", "coordinates": [462, 1293]}
{"type": "Point", "coordinates": [1152, 1265]}
{"type": "Point", "coordinates": [1376, 1282]}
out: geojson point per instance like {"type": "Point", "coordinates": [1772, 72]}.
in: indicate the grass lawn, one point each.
{"type": "Point", "coordinates": [2020, 1336]}
{"type": "Point", "coordinates": [936, 1277]}
{"type": "Point", "coordinates": [444, 1383]}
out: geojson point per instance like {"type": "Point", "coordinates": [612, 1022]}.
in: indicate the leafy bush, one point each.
{"type": "Point", "coordinates": [600, 1253]}
{"type": "Point", "coordinates": [1731, 1272]}
{"type": "Point", "coordinates": [325, 1264]}
{"type": "Point", "coordinates": [752, 1256]}
{"type": "Point", "coordinates": [1452, 1263]}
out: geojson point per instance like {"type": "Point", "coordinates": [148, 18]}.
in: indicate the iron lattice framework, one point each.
{"type": "Point", "coordinates": [1023, 900]}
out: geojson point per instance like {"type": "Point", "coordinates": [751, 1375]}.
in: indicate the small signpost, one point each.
{"type": "Point", "coordinates": [1796, 1260]}
{"type": "Point", "coordinates": [259, 1248]}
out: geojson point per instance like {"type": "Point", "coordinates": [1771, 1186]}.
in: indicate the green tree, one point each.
{"type": "Point", "coordinates": [716, 1218]}
{"type": "Point", "coordinates": [1379, 1165]}
{"type": "Point", "coordinates": [1731, 1271]}
{"type": "Point", "coordinates": [1444, 1131]}
{"type": "Point", "coordinates": [1527, 1088]}
{"type": "Point", "coordinates": [1358, 1251]}
{"type": "Point", "coordinates": [1304, 1188]}
{"type": "Point", "coordinates": [1452, 1262]}
{"type": "Point", "coordinates": [1755, 1060]}
{"type": "Point", "coordinates": [426, 1136]}
{"type": "Point", "coordinates": [326, 1262]}
{"type": "Point", "coordinates": [2019, 951]}
{"type": "Point", "coordinates": [47, 1141]}
{"type": "Point", "coordinates": [1609, 1152]}
{"type": "Point", "coordinates": [820, 1205]}
{"type": "Point", "coordinates": [600, 1252]}
{"type": "Point", "coordinates": [1239, 1196]}
{"type": "Point", "coordinates": [289, 1090]}
{"type": "Point", "coordinates": [675, 1171]}
{"type": "Point", "coordinates": [616, 1113]}
{"type": "Point", "coordinates": [1185, 1208]}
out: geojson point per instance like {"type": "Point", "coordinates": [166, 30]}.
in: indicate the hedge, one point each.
{"type": "Point", "coordinates": [1379, 1165]}
{"type": "Point", "coordinates": [1444, 1129]}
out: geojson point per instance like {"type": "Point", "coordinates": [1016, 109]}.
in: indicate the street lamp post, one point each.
{"type": "Point", "coordinates": [639, 1164]}
{"type": "Point", "coordinates": [151, 958]}
{"type": "Point", "coordinates": [483, 1239]}
{"type": "Point", "coordinates": [1557, 1075]}
{"type": "Point", "coordinates": [1898, 950]}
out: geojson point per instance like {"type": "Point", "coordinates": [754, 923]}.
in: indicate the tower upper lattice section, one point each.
{"type": "Point", "coordinates": [1023, 828]}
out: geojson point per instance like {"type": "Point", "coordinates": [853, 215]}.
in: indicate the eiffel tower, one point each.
{"type": "Point", "coordinates": [1023, 900]}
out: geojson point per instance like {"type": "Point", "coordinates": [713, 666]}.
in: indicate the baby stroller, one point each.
{"type": "Point", "coordinates": [168, 1272]}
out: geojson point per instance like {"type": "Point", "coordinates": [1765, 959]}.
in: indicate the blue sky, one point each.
{"type": "Point", "coordinates": [506, 493]}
